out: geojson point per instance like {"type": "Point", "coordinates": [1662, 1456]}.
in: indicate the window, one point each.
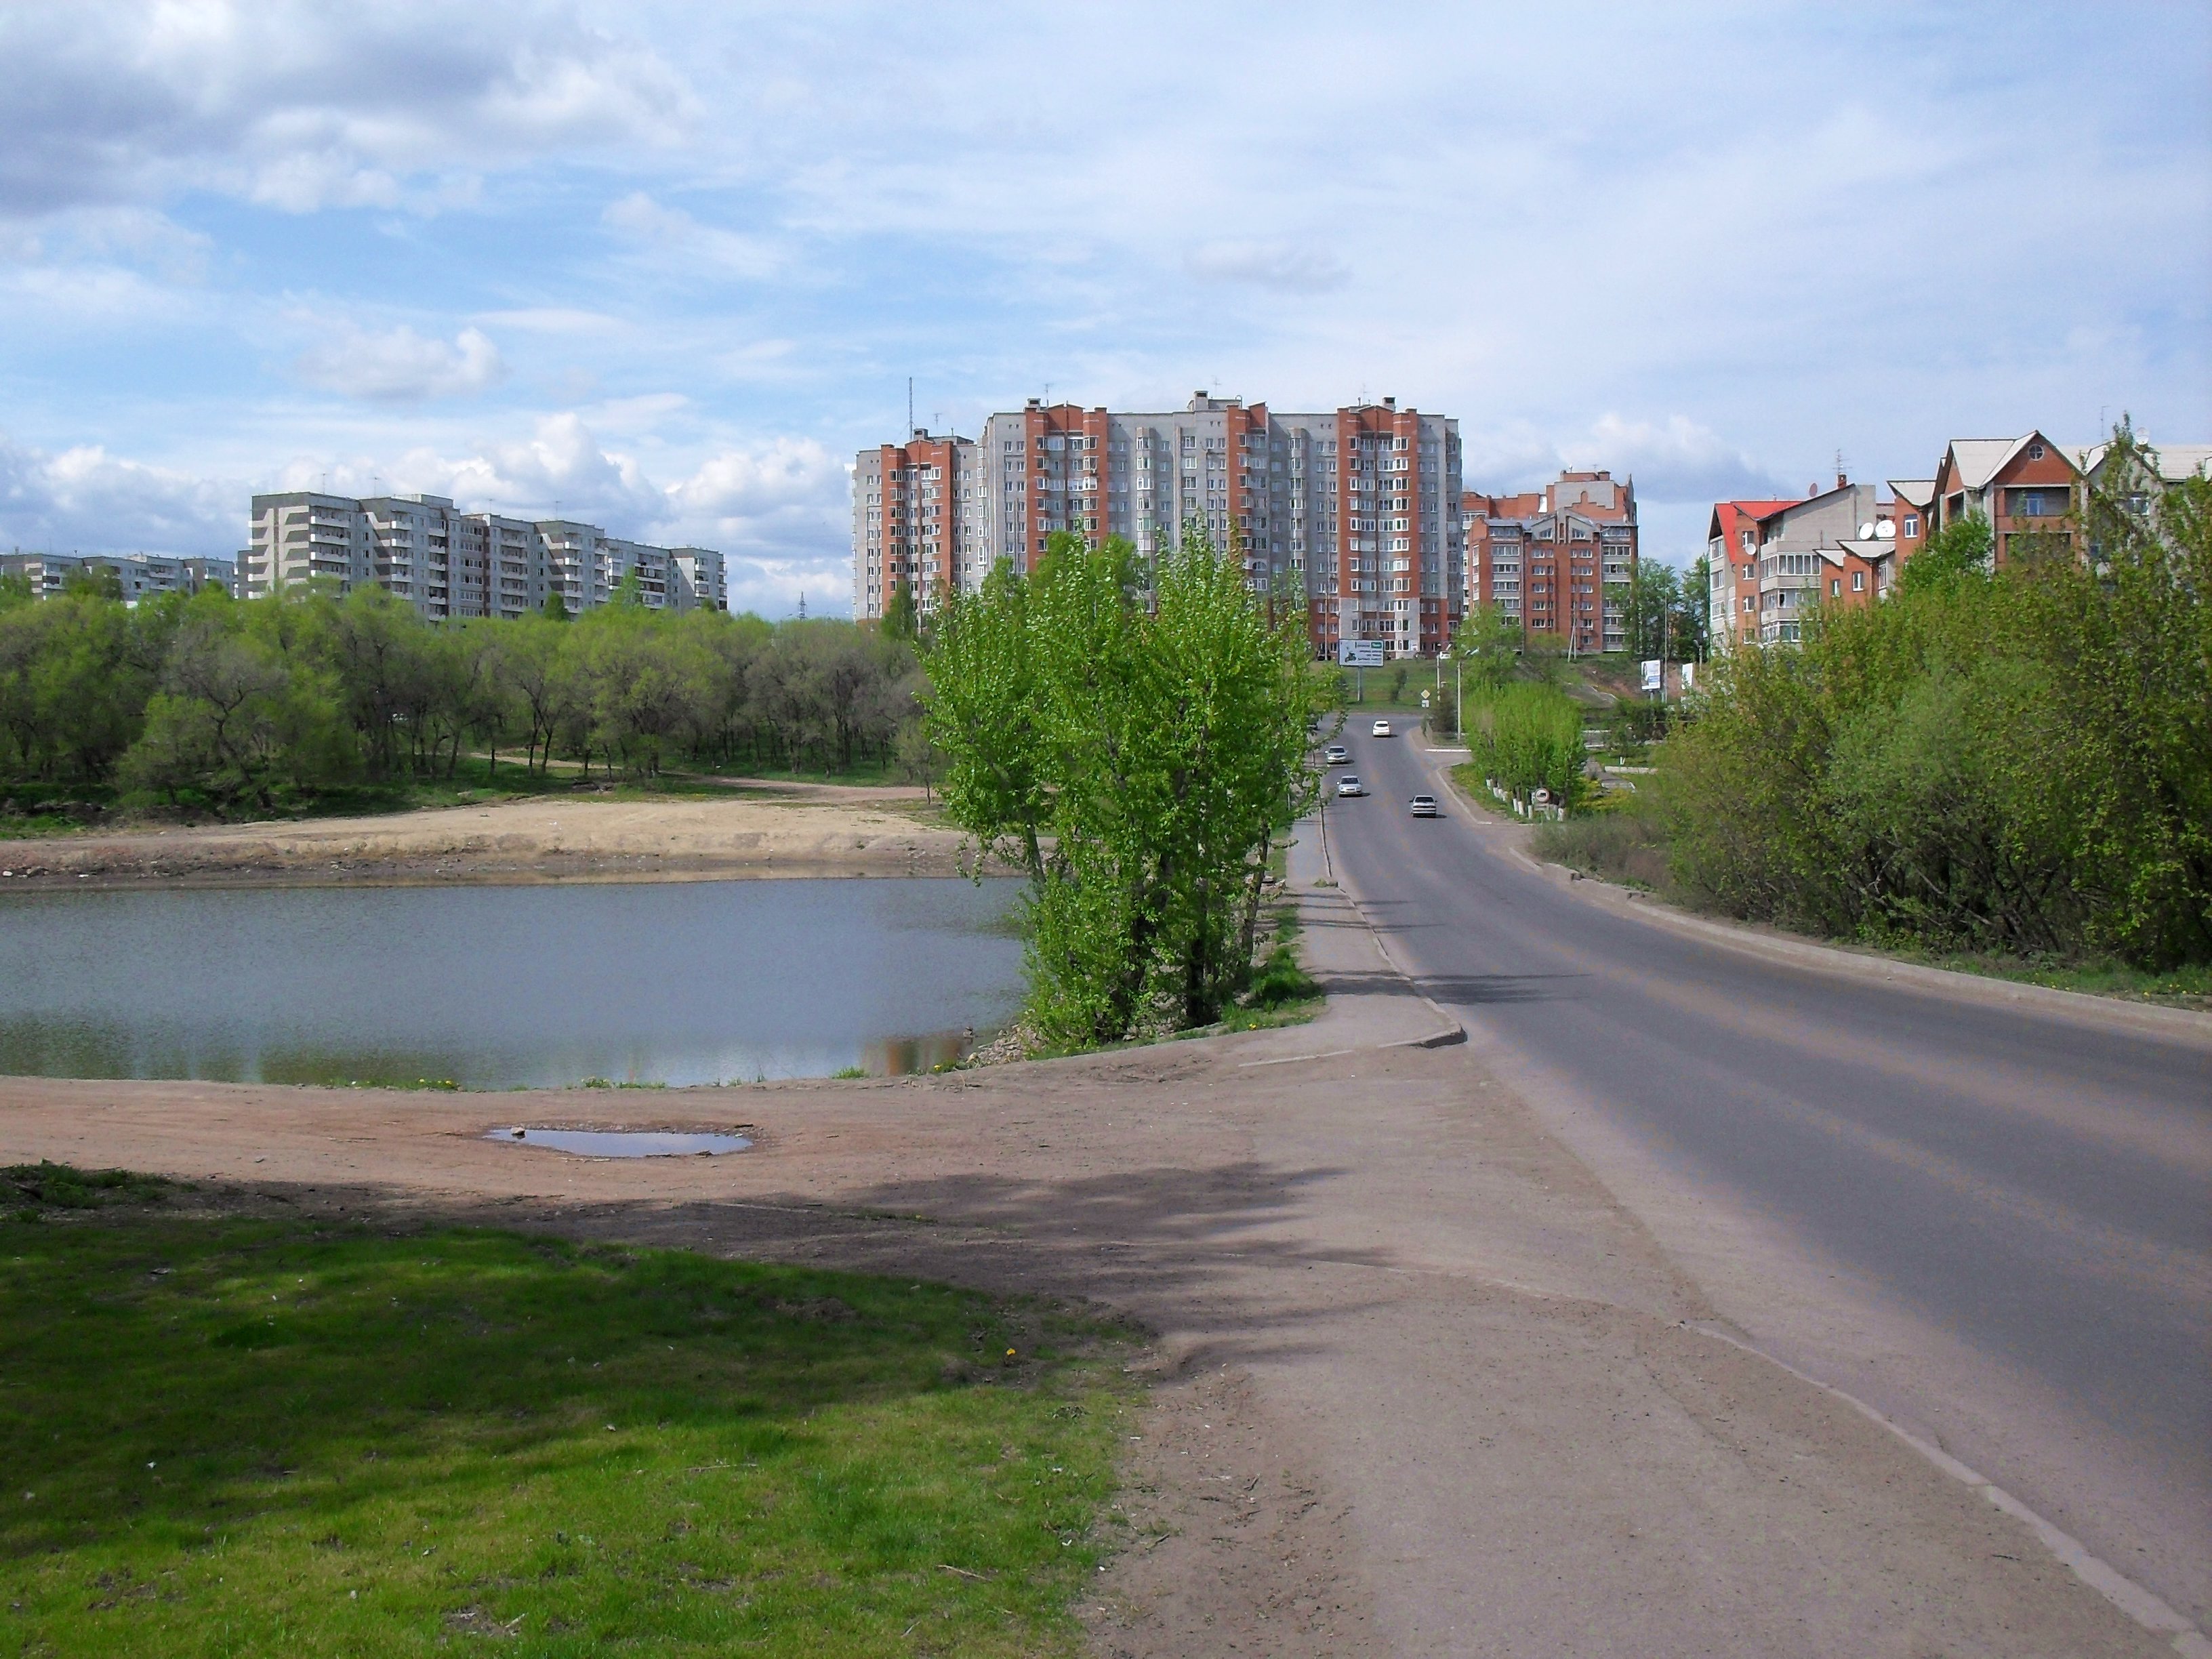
{"type": "Point", "coordinates": [1912, 524]}
{"type": "Point", "coordinates": [1858, 581]}
{"type": "Point", "coordinates": [1835, 588]}
{"type": "Point", "coordinates": [2035, 451]}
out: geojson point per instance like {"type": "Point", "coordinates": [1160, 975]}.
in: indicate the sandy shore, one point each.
{"type": "Point", "coordinates": [797, 830]}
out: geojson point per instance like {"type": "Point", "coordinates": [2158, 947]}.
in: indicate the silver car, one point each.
{"type": "Point", "coordinates": [1349, 784]}
{"type": "Point", "coordinates": [1336, 755]}
{"type": "Point", "coordinates": [1424, 806]}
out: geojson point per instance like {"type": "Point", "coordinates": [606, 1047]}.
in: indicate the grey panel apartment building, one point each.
{"type": "Point", "coordinates": [1357, 508]}
{"type": "Point", "coordinates": [450, 563]}
{"type": "Point", "coordinates": [137, 575]}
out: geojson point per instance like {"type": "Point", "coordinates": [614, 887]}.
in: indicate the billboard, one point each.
{"type": "Point", "coordinates": [1655, 673]}
{"type": "Point", "coordinates": [1359, 653]}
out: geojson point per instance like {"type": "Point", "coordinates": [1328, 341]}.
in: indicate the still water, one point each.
{"type": "Point", "coordinates": [678, 982]}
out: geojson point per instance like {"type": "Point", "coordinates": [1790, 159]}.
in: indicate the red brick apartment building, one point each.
{"type": "Point", "coordinates": [1770, 562]}
{"type": "Point", "coordinates": [1357, 509]}
{"type": "Point", "coordinates": [1545, 557]}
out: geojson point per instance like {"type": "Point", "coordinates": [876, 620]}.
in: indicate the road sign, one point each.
{"type": "Point", "coordinates": [1359, 653]}
{"type": "Point", "coordinates": [1655, 675]}
{"type": "Point", "coordinates": [1424, 700]}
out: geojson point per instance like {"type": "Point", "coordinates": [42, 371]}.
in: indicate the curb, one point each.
{"type": "Point", "coordinates": [1448, 1031]}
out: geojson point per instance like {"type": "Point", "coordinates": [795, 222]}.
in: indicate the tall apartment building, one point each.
{"type": "Point", "coordinates": [1547, 557]}
{"type": "Point", "coordinates": [914, 511]}
{"type": "Point", "coordinates": [137, 575]}
{"type": "Point", "coordinates": [450, 563]}
{"type": "Point", "coordinates": [1357, 510]}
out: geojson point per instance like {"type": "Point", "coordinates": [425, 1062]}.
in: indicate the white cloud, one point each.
{"type": "Point", "coordinates": [400, 366]}
{"type": "Point", "coordinates": [672, 232]}
{"type": "Point", "coordinates": [84, 499]}
{"type": "Point", "coordinates": [1284, 267]}
{"type": "Point", "coordinates": [303, 106]}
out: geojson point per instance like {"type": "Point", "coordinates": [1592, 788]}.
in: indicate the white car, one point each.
{"type": "Point", "coordinates": [1336, 755]}
{"type": "Point", "coordinates": [1424, 806]}
{"type": "Point", "coordinates": [1350, 785]}
{"type": "Point", "coordinates": [1382, 728]}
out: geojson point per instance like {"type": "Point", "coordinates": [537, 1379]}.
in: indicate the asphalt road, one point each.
{"type": "Point", "coordinates": [1991, 1223]}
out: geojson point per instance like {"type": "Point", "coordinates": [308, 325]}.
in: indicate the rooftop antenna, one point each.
{"type": "Point", "coordinates": [802, 604]}
{"type": "Point", "coordinates": [910, 404]}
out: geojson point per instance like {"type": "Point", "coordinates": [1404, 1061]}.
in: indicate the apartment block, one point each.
{"type": "Point", "coordinates": [139, 575]}
{"type": "Point", "coordinates": [449, 563]}
{"type": "Point", "coordinates": [1732, 571]}
{"type": "Point", "coordinates": [1356, 510]}
{"type": "Point", "coordinates": [1547, 557]}
{"type": "Point", "coordinates": [916, 507]}
{"type": "Point", "coordinates": [2023, 486]}
{"type": "Point", "coordinates": [1770, 563]}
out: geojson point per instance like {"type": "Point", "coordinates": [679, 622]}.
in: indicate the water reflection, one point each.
{"type": "Point", "coordinates": [491, 986]}
{"type": "Point", "coordinates": [905, 1056]}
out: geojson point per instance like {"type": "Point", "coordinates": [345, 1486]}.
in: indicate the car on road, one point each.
{"type": "Point", "coordinates": [1424, 806]}
{"type": "Point", "coordinates": [1382, 728]}
{"type": "Point", "coordinates": [1336, 755]}
{"type": "Point", "coordinates": [1349, 784]}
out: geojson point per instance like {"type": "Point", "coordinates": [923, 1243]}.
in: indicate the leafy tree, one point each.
{"type": "Point", "coordinates": [14, 591]}
{"type": "Point", "coordinates": [1959, 552]}
{"type": "Point", "coordinates": [1135, 750]}
{"type": "Point", "coordinates": [556, 607]}
{"type": "Point", "coordinates": [1488, 641]}
{"type": "Point", "coordinates": [901, 619]}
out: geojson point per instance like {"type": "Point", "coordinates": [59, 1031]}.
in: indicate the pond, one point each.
{"type": "Point", "coordinates": [675, 983]}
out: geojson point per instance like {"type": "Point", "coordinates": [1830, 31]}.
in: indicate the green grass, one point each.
{"type": "Point", "coordinates": [237, 1437]}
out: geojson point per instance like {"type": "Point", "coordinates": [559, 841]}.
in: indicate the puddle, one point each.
{"type": "Point", "coordinates": [624, 1142]}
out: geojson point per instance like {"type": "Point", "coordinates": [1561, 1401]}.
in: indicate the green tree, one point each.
{"type": "Point", "coordinates": [556, 607]}
{"type": "Point", "coordinates": [1487, 642]}
{"type": "Point", "coordinates": [1959, 552]}
{"type": "Point", "coordinates": [901, 619]}
{"type": "Point", "coordinates": [1136, 748]}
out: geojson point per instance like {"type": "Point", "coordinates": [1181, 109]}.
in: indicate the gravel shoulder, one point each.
{"type": "Point", "coordinates": [801, 831]}
{"type": "Point", "coordinates": [1422, 1386]}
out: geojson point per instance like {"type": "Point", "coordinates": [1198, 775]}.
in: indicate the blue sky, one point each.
{"type": "Point", "coordinates": [666, 266]}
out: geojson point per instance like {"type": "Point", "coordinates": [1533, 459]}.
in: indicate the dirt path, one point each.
{"type": "Point", "coordinates": [1424, 1388]}
{"type": "Point", "coordinates": [804, 829]}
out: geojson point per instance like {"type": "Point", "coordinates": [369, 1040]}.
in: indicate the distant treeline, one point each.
{"type": "Point", "coordinates": [206, 702]}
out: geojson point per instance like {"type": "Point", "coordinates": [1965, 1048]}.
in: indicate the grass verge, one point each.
{"type": "Point", "coordinates": [241, 1436]}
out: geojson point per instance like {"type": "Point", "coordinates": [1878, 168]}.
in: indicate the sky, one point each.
{"type": "Point", "coordinates": [664, 267]}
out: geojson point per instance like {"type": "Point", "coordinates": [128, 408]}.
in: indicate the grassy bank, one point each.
{"type": "Point", "coordinates": [237, 1436]}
